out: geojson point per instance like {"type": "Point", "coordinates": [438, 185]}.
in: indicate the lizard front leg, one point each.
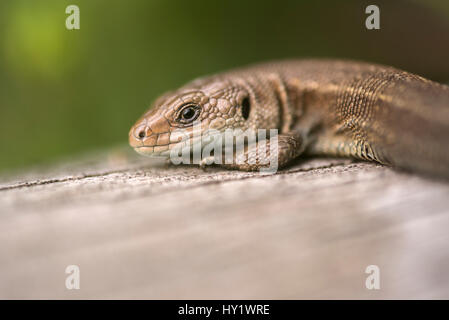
{"type": "Point", "coordinates": [268, 155]}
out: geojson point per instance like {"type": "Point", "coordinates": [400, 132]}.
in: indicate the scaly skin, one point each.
{"type": "Point", "coordinates": [321, 107]}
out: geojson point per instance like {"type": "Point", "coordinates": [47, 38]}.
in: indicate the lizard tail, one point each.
{"type": "Point", "coordinates": [411, 125]}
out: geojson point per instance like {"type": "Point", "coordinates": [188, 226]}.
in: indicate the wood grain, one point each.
{"type": "Point", "coordinates": [150, 231]}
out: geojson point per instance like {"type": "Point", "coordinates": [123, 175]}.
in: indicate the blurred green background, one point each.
{"type": "Point", "coordinates": [63, 92]}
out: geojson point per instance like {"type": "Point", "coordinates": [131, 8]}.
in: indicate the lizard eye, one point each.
{"type": "Point", "coordinates": [189, 113]}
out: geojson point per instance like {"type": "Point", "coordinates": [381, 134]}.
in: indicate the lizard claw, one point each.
{"type": "Point", "coordinates": [205, 162]}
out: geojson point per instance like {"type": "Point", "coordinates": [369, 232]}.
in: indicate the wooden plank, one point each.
{"type": "Point", "coordinates": [143, 230]}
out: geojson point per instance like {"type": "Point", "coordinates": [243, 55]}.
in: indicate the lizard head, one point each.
{"type": "Point", "coordinates": [213, 102]}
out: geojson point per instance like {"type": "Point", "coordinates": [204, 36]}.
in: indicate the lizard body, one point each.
{"type": "Point", "coordinates": [321, 107]}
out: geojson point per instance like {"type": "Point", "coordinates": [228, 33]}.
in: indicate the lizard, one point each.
{"type": "Point", "coordinates": [321, 107]}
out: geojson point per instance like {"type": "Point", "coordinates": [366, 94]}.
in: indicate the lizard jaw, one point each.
{"type": "Point", "coordinates": [149, 152]}
{"type": "Point", "coordinates": [184, 147]}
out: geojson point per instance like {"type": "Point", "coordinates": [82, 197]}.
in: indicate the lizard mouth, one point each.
{"type": "Point", "coordinates": [166, 151]}
{"type": "Point", "coordinates": [152, 151]}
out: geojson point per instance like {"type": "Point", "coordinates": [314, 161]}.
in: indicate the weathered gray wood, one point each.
{"type": "Point", "coordinates": [139, 230]}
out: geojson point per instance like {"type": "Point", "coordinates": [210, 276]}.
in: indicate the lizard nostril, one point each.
{"type": "Point", "coordinates": [141, 134]}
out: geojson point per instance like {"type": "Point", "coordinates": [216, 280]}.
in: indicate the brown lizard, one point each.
{"type": "Point", "coordinates": [320, 107]}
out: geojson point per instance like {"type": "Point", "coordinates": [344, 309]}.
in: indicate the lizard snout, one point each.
{"type": "Point", "coordinates": [146, 140]}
